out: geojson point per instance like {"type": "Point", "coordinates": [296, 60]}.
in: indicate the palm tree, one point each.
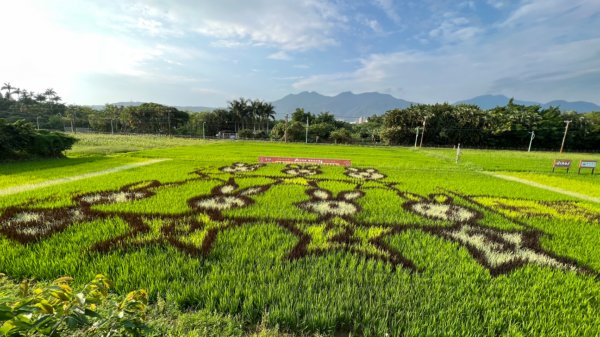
{"type": "Point", "coordinates": [268, 112]}
{"type": "Point", "coordinates": [50, 93]}
{"type": "Point", "coordinates": [240, 110]}
{"type": "Point", "coordinates": [25, 95]}
{"type": "Point", "coordinates": [256, 109]}
{"type": "Point", "coordinates": [40, 98]}
{"type": "Point", "coordinates": [8, 89]}
{"type": "Point", "coordinates": [25, 100]}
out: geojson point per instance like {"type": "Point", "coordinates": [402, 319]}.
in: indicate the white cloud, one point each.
{"type": "Point", "coordinates": [209, 91]}
{"type": "Point", "coordinates": [129, 17]}
{"type": "Point", "coordinates": [532, 57]}
{"type": "Point", "coordinates": [46, 51]}
{"type": "Point", "coordinates": [372, 24]}
{"type": "Point", "coordinates": [455, 29]}
{"type": "Point", "coordinates": [388, 8]}
{"type": "Point", "coordinates": [498, 4]}
{"type": "Point", "coordinates": [227, 44]}
{"type": "Point", "coordinates": [83, 48]}
{"type": "Point", "coordinates": [280, 55]}
{"type": "Point", "coordinates": [46, 54]}
{"type": "Point", "coordinates": [552, 12]}
{"type": "Point", "coordinates": [287, 25]}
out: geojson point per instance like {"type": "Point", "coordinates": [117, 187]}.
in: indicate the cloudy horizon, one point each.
{"type": "Point", "coordinates": [205, 53]}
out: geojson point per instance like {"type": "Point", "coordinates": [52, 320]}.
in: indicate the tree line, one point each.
{"type": "Point", "coordinates": [510, 126]}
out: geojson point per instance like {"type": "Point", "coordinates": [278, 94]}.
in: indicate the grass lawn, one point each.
{"type": "Point", "coordinates": [404, 243]}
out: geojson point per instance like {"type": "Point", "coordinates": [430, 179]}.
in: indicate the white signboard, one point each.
{"type": "Point", "coordinates": [588, 163]}
{"type": "Point", "coordinates": [591, 164]}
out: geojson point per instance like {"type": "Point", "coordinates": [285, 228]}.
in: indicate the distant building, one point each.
{"type": "Point", "coordinates": [227, 135]}
{"type": "Point", "coordinates": [361, 120]}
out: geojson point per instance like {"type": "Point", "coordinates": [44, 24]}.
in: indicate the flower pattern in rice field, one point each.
{"type": "Point", "coordinates": [330, 224]}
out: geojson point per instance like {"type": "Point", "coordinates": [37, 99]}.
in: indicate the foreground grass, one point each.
{"type": "Point", "coordinates": [246, 277]}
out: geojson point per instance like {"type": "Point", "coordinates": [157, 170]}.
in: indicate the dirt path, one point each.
{"type": "Point", "coordinates": [545, 187]}
{"type": "Point", "coordinates": [29, 187]}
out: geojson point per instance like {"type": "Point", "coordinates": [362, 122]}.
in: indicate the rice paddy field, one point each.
{"type": "Point", "coordinates": [404, 242]}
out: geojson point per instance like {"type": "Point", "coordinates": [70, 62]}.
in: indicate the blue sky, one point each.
{"type": "Point", "coordinates": [205, 52]}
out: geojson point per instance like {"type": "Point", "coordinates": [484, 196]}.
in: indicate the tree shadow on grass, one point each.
{"type": "Point", "coordinates": [43, 164]}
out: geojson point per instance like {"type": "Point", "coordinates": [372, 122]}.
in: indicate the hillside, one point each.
{"type": "Point", "coordinates": [492, 101]}
{"type": "Point", "coordinates": [346, 105]}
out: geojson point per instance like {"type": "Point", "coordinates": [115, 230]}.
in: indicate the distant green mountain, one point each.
{"type": "Point", "coordinates": [346, 105]}
{"type": "Point", "coordinates": [492, 101]}
{"type": "Point", "coordinates": [350, 107]}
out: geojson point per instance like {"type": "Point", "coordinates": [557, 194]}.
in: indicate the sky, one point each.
{"type": "Point", "coordinates": [207, 52]}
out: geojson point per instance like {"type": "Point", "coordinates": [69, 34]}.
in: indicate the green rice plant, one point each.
{"type": "Point", "coordinates": [585, 184]}
{"type": "Point", "coordinates": [389, 248]}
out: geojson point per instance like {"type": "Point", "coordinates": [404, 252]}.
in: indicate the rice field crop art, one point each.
{"type": "Point", "coordinates": [362, 250]}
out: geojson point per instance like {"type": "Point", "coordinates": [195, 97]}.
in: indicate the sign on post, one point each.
{"type": "Point", "coordinates": [562, 163]}
{"type": "Point", "coordinates": [314, 161]}
{"type": "Point", "coordinates": [591, 164]}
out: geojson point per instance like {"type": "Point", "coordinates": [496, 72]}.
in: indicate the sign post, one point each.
{"type": "Point", "coordinates": [561, 163]}
{"type": "Point", "coordinates": [314, 161]}
{"type": "Point", "coordinates": [591, 164]}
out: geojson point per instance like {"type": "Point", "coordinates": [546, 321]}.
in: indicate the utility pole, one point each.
{"type": "Point", "coordinates": [72, 120]}
{"type": "Point", "coordinates": [169, 122]}
{"type": "Point", "coordinates": [285, 133]}
{"type": "Point", "coordinates": [565, 136]}
{"type": "Point", "coordinates": [531, 140]}
{"type": "Point", "coordinates": [63, 121]}
{"type": "Point", "coordinates": [37, 119]}
{"type": "Point", "coordinates": [423, 134]}
{"type": "Point", "coordinates": [416, 137]}
{"type": "Point", "coordinates": [458, 153]}
{"type": "Point", "coordinates": [306, 129]}
{"type": "Point", "coordinates": [203, 134]}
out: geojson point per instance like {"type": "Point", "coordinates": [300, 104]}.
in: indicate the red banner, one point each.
{"type": "Point", "coordinates": [314, 161]}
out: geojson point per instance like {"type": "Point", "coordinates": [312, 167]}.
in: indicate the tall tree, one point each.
{"type": "Point", "coordinates": [49, 93]}
{"type": "Point", "coordinates": [241, 109]}
{"type": "Point", "coordinates": [18, 92]}
{"type": "Point", "coordinates": [262, 112]}
{"type": "Point", "coordinates": [8, 89]}
{"type": "Point", "coordinates": [268, 113]}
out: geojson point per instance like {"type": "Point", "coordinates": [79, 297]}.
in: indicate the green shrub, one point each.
{"type": "Point", "coordinates": [341, 135]}
{"type": "Point", "coordinates": [245, 134]}
{"type": "Point", "coordinates": [51, 144]}
{"type": "Point", "coordinates": [20, 140]}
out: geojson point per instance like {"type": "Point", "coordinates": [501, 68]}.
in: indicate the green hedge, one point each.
{"type": "Point", "coordinates": [19, 140]}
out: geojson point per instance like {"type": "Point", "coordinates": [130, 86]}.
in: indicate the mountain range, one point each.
{"type": "Point", "coordinates": [346, 105]}
{"type": "Point", "coordinates": [492, 101]}
{"type": "Point", "coordinates": [349, 106]}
